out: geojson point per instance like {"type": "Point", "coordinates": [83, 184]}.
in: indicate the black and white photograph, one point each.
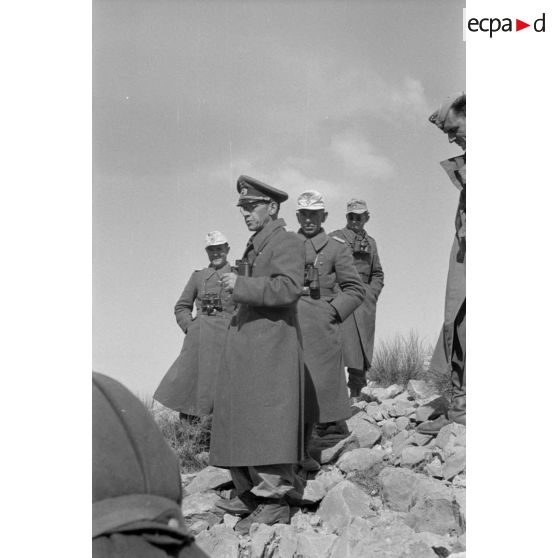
{"type": "Point", "coordinates": [235, 292]}
{"type": "Point", "coordinates": [279, 275]}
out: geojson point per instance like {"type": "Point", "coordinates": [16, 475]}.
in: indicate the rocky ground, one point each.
{"type": "Point", "coordinates": [384, 490]}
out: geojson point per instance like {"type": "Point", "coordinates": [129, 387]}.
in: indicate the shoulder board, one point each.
{"type": "Point", "coordinates": [338, 239]}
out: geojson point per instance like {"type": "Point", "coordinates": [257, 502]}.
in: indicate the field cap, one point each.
{"type": "Point", "coordinates": [311, 200]}
{"type": "Point", "coordinates": [438, 117]}
{"type": "Point", "coordinates": [251, 189]}
{"type": "Point", "coordinates": [215, 238]}
{"type": "Point", "coordinates": [356, 206]}
{"type": "Point", "coordinates": [136, 477]}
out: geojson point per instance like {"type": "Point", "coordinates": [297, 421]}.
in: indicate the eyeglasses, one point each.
{"type": "Point", "coordinates": [249, 207]}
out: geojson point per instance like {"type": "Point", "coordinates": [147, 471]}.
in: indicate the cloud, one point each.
{"type": "Point", "coordinates": [360, 157]}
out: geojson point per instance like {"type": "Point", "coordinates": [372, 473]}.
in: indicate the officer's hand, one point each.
{"type": "Point", "coordinates": [334, 316]}
{"type": "Point", "coordinates": [228, 281]}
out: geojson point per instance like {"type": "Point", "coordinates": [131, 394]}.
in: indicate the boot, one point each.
{"type": "Point", "coordinates": [433, 427]}
{"type": "Point", "coordinates": [244, 504]}
{"type": "Point", "coordinates": [308, 463]}
{"type": "Point", "coordinates": [270, 512]}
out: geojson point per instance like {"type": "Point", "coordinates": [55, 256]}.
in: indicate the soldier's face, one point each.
{"type": "Point", "coordinates": [311, 221]}
{"type": "Point", "coordinates": [455, 128]}
{"type": "Point", "coordinates": [217, 255]}
{"type": "Point", "coordinates": [356, 221]}
{"type": "Point", "coordinates": [257, 214]}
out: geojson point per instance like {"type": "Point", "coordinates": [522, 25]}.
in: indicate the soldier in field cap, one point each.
{"type": "Point", "coordinates": [189, 385]}
{"type": "Point", "coordinates": [321, 310]}
{"type": "Point", "coordinates": [137, 491]}
{"type": "Point", "coordinates": [449, 354]}
{"type": "Point", "coordinates": [257, 428]}
{"type": "Point", "coordinates": [359, 328]}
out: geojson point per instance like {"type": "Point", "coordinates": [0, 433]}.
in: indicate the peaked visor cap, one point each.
{"type": "Point", "coordinates": [251, 189]}
{"type": "Point", "coordinates": [356, 206]}
{"type": "Point", "coordinates": [310, 199]}
{"type": "Point", "coordinates": [215, 238]}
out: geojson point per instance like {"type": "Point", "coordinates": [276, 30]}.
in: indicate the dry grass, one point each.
{"type": "Point", "coordinates": [187, 440]}
{"type": "Point", "coordinates": [403, 358]}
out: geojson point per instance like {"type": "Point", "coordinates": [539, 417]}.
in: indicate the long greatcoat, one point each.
{"type": "Point", "coordinates": [189, 384]}
{"type": "Point", "coordinates": [258, 414]}
{"type": "Point", "coordinates": [359, 328]}
{"type": "Point", "coordinates": [320, 321]}
{"type": "Point", "coordinates": [455, 287]}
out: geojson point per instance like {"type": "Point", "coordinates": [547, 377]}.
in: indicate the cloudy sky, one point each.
{"type": "Point", "coordinates": [329, 95]}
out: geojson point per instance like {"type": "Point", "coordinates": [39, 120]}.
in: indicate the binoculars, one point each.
{"type": "Point", "coordinates": [211, 303]}
{"type": "Point", "coordinates": [361, 246]}
{"type": "Point", "coordinates": [312, 280]}
{"type": "Point", "coordinates": [243, 268]}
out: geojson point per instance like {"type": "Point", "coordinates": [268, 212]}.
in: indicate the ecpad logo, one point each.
{"type": "Point", "coordinates": [494, 24]}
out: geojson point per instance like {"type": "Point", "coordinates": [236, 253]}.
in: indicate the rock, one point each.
{"type": "Point", "coordinates": [204, 520]}
{"type": "Point", "coordinates": [399, 441]}
{"type": "Point", "coordinates": [411, 455]}
{"type": "Point", "coordinates": [210, 478]}
{"type": "Point", "coordinates": [198, 526]}
{"type": "Point", "coordinates": [436, 515]}
{"type": "Point", "coordinates": [220, 541]}
{"type": "Point", "coordinates": [381, 394]}
{"type": "Point", "coordinates": [459, 545]}
{"type": "Point", "coordinates": [328, 448]}
{"type": "Point", "coordinates": [459, 481]}
{"type": "Point", "coordinates": [401, 409]}
{"type": "Point", "coordinates": [459, 495]}
{"type": "Point", "coordinates": [359, 405]}
{"type": "Point", "coordinates": [402, 423]}
{"type": "Point", "coordinates": [418, 439]}
{"type": "Point", "coordinates": [457, 555]}
{"type": "Point", "coordinates": [402, 488]}
{"type": "Point", "coordinates": [279, 541]}
{"type": "Point", "coordinates": [341, 504]}
{"type": "Point", "coordinates": [389, 429]}
{"type": "Point", "coordinates": [419, 389]}
{"type": "Point", "coordinates": [360, 459]}
{"type": "Point", "coordinates": [451, 436]}
{"type": "Point", "coordinates": [314, 545]}
{"type": "Point", "coordinates": [377, 412]}
{"type": "Point", "coordinates": [440, 544]}
{"type": "Point", "coordinates": [432, 410]}
{"type": "Point", "coordinates": [364, 429]}
{"type": "Point", "coordinates": [286, 542]}
{"type": "Point", "coordinates": [316, 489]}
{"type": "Point", "coordinates": [454, 464]}
{"type": "Point", "coordinates": [261, 536]}
{"type": "Point", "coordinates": [357, 530]}
{"type": "Point", "coordinates": [230, 520]}
{"type": "Point", "coordinates": [392, 540]}
{"type": "Point", "coordinates": [199, 503]}
{"type": "Point", "coordinates": [301, 521]}
{"type": "Point", "coordinates": [434, 468]}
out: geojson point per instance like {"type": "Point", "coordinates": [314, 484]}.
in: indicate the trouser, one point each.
{"type": "Point", "coordinates": [268, 481]}
{"type": "Point", "coordinates": [357, 379]}
{"type": "Point", "coordinates": [457, 408]}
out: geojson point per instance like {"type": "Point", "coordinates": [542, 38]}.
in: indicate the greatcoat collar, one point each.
{"type": "Point", "coordinates": [261, 237]}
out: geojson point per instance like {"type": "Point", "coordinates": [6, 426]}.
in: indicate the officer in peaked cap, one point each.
{"type": "Point", "coordinates": [321, 310]}
{"type": "Point", "coordinates": [258, 416]}
{"type": "Point", "coordinates": [189, 385]}
{"type": "Point", "coordinates": [358, 330]}
{"type": "Point", "coordinates": [251, 189]}
{"type": "Point", "coordinates": [137, 491]}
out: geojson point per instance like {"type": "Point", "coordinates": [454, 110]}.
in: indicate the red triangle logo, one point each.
{"type": "Point", "coordinates": [519, 25]}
